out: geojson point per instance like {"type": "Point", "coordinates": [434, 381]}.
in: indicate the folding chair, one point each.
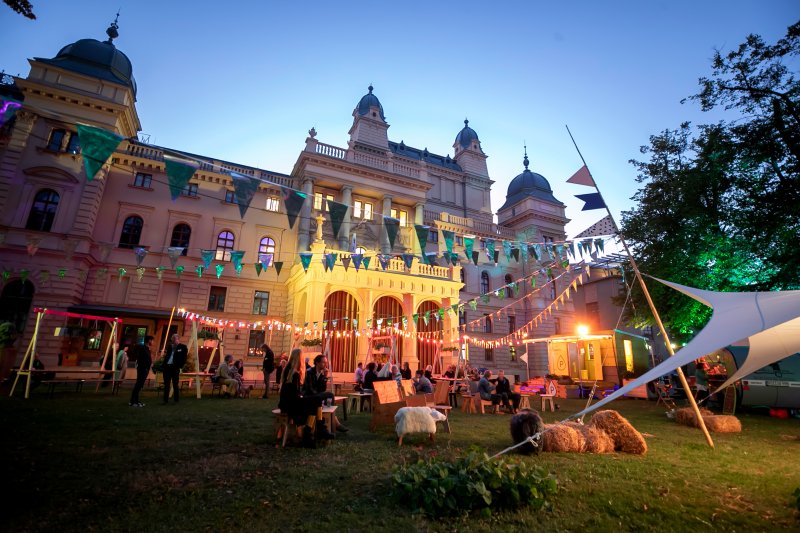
{"type": "Point", "coordinates": [663, 391]}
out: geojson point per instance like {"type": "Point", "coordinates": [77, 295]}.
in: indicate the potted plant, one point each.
{"type": "Point", "coordinates": [311, 345]}
{"type": "Point", "coordinates": [382, 347]}
{"type": "Point", "coordinates": [209, 338]}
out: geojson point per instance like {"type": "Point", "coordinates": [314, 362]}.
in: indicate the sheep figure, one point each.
{"type": "Point", "coordinates": [525, 424]}
{"type": "Point", "coordinates": [416, 420]}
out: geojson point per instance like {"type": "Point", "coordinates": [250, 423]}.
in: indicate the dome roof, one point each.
{"type": "Point", "coordinates": [529, 184]}
{"type": "Point", "coordinates": [466, 136]}
{"type": "Point", "coordinates": [367, 101]}
{"type": "Point", "coordinates": [97, 59]}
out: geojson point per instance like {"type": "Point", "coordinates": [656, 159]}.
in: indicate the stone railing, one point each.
{"type": "Point", "coordinates": [331, 151]}
{"type": "Point", "coordinates": [145, 152]}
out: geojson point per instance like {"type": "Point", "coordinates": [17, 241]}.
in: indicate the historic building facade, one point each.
{"type": "Point", "coordinates": [68, 243]}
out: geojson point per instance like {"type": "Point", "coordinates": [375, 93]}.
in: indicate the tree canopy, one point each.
{"type": "Point", "coordinates": [23, 7]}
{"type": "Point", "coordinates": [719, 208]}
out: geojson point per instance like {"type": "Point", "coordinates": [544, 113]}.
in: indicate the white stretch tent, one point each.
{"type": "Point", "coordinates": [770, 321]}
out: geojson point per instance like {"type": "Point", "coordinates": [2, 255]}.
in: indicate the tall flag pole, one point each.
{"type": "Point", "coordinates": [584, 177]}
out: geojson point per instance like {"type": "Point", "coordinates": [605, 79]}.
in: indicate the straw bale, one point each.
{"type": "Point", "coordinates": [685, 416]}
{"type": "Point", "coordinates": [561, 438]}
{"type": "Point", "coordinates": [626, 438]}
{"type": "Point", "coordinates": [594, 440]}
{"type": "Point", "coordinates": [723, 424]}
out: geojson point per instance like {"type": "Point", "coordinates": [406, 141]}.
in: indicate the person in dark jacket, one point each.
{"type": "Point", "coordinates": [316, 384]}
{"type": "Point", "coordinates": [174, 359]}
{"type": "Point", "coordinates": [301, 409]}
{"type": "Point", "coordinates": [267, 366]}
{"type": "Point", "coordinates": [143, 362]}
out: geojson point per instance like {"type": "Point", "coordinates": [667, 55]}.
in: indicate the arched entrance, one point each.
{"type": "Point", "coordinates": [388, 308]}
{"type": "Point", "coordinates": [426, 348]}
{"type": "Point", "coordinates": [340, 310]}
{"type": "Point", "coordinates": [15, 303]}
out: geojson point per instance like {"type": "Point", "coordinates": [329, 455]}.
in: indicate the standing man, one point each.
{"type": "Point", "coordinates": [267, 366]}
{"type": "Point", "coordinates": [143, 362]}
{"type": "Point", "coordinates": [175, 358]}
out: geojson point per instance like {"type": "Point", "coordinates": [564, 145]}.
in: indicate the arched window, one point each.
{"type": "Point", "coordinates": [181, 234]}
{"type": "Point", "coordinates": [360, 250]}
{"type": "Point", "coordinates": [509, 280]}
{"type": "Point", "coordinates": [224, 246]}
{"type": "Point", "coordinates": [487, 324]}
{"type": "Point", "coordinates": [484, 282]}
{"type": "Point", "coordinates": [56, 139]}
{"type": "Point", "coordinates": [552, 286]}
{"type": "Point", "coordinates": [131, 232]}
{"type": "Point", "coordinates": [43, 210]}
{"type": "Point", "coordinates": [266, 250]}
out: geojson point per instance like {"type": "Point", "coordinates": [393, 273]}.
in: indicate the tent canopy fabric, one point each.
{"type": "Point", "coordinates": [769, 321]}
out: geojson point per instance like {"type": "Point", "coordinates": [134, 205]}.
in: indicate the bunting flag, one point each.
{"type": "Point", "coordinates": [207, 256]}
{"type": "Point", "coordinates": [61, 273]}
{"type": "Point", "coordinates": [496, 256]}
{"type": "Point", "coordinates": [580, 247]}
{"type": "Point", "coordinates": [265, 260]}
{"type": "Point", "coordinates": [473, 304]}
{"type": "Point", "coordinates": [571, 249]}
{"type": "Point", "coordinates": [591, 201]}
{"type": "Point", "coordinates": [236, 259]}
{"type": "Point", "coordinates": [475, 255]}
{"type": "Point", "coordinates": [174, 252]}
{"type": "Point", "coordinates": [430, 258]}
{"type": "Point", "coordinates": [600, 245]}
{"type": "Point", "coordinates": [305, 260]}
{"type": "Point", "coordinates": [507, 250]}
{"type": "Point", "coordinates": [69, 247]}
{"type": "Point", "coordinates": [514, 287]}
{"type": "Point", "coordinates": [440, 312]}
{"type": "Point", "coordinates": [405, 322]}
{"type": "Point", "coordinates": [468, 244]}
{"type": "Point", "coordinates": [121, 271]}
{"type": "Point", "coordinates": [179, 172]}
{"type": "Point", "coordinates": [199, 270]}
{"type": "Point", "coordinates": [587, 245]}
{"type": "Point", "coordinates": [8, 109]}
{"type": "Point", "coordinates": [515, 253]}
{"type": "Point", "coordinates": [454, 259]}
{"type": "Point", "coordinates": [293, 202]}
{"type": "Point", "coordinates": [160, 271]}
{"type": "Point", "coordinates": [336, 213]}
{"type": "Point", "coordinates": [446, 257]}
{"type": "Point", "coordinates": [456, 308]}
{"type": "Point", "coordinates": [97, 145]}
{"type": "Point", "coordinates": [179, 270]}
{"type": "Point", "coordinates": [219, 268]}
{"type": "Point", "coordinates": [604, 226]}
{"type": "Point", "coordinates": [366, 262]}
{"type": "Point", "coordinates": [330, 260]}
{"type": "Point", "coordinates": [245, 188]}
{"type": "Point", "coordinates": [6, 274]}
{"type": "Point", "coordinates": [258, 268]}
{"type": "Point", "coordinates": [422, 235]}
{"type": "Point", "coordinates": [582, 177]}
{"type": "Point", "coordinates": [415, 318]}
{"type": "Point", "coordinates": [32, 244]}
{"type": "Point", "coordinates": [448, 240]}
{"type": "Point", "coordinates": [485, 298]}
{"type": "Point", "coordinates": [346, 262]}
{"type": "Point", "coordinates": [140, 254]}
{"type": "Point", "coordinates": [383, 259]}
{"type": "Point", "coordinates": [408, 260]}
{"type": "Point", "coordinates": [490, 249]}
{"type": "Point", "coordinates": [357, 260]}
{"type": "Point", "coordinates": [500, 293]}
{"type": "Point", "coordinates": [23, 274]}
{"type": "Point", "coordinates": [44, 276]}
{"type": "Point", "coordinates": [533, 251]}
{"type": "Point", "coordinates": [140, 273]}
{"type": "Point", "coordinates": [392, 226]}
{"type": "Point", "coordinates": [426, 317]}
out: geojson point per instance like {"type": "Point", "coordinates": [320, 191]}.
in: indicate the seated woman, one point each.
{"type": "Point", "coordinates": [304, 411]}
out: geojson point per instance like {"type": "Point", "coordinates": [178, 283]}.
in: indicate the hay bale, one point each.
{"type": "Point", "coordinates": [561, 438]}
{"type": "Point", "coordinates": [594, 440]}
{"type": "Point", "coordinates": [723, 424]}
{"type": "Point", "coordinates": [686, 417]}
{"type": "Point", "coordinates": [626, 438]}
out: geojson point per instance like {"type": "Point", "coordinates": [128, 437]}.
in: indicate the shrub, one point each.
{"type": "Point", "coordinates": [311, 342]}
{"type": "Point", "coordinates": [475, 482]}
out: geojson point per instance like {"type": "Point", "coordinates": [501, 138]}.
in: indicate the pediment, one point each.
{"type": "Point", "coordinates": [50, 173]}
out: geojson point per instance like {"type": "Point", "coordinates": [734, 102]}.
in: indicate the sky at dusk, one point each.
{"type": "Point", "coordinates": [246, 84]}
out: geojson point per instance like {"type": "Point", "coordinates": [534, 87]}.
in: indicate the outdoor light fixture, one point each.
{"type": "Point", "coordinates": [583, 330]}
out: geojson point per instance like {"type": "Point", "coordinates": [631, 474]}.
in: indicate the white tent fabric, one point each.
{"type": "Point", "coordinates": [769, 320]}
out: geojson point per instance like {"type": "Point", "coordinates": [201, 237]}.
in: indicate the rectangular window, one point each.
{"type": "Point", "coordinates": [362, 210]}
{"type": "Point", "coordinates": [367, 211]}
{"type": "Point", "coordinates": [142, 180]}
{"type": "Point", "coordinates": [319, 204]}
{"type": "Point", "coordinates": [74, 144]}
{"type": "Point", "coordinates": [512, 324]}
{"type": "Point", "coordinates": [190, 190]}
{"type": "Point", "coordinates": [433, 235]}
{"type": "Point", "coordinates": [230, 197]}
{"type": "Point", "coordinates": [254, 342]}
{"type": "Point", "coordinates": [272, 204]}
{"type": "Point", "coordinates": [557, 326]}
{"type": "Point", "coordinates": [459, 240]}
{"type": "Point", "coordinates": [261, 303]}
{"type": "Point", "coordinates": [216, 298]}
{"type": "Point", "coordinates": [489, 354]}
{"type": "Point", "coordinates": [487, 323]}
{"type": "Point", "coordinates": [400, 215]}
{"type": "Point", "coordinates": [628, 348]}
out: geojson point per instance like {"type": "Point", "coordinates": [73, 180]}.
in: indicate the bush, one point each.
{"type": "Point", "coordinates": [441, 488]}
{"type": "Point", "coordinates": [311, 342]}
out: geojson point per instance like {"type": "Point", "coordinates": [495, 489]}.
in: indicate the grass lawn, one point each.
{"type": "Point", "coordinates": [88, 462]}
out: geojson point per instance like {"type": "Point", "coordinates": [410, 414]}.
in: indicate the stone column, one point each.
{"type": "Point", "coordinates": [386, 211]}
{"type": "Point", "coordinates": [304, 224]}
{"type": "Point", "coordinates": [344, 231]}
{"type": "Point", "coordinates": [419, 218]}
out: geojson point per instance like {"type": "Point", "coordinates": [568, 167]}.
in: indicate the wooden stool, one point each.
{"type": "Point", "coordinates": [282, 423]}
{"type": "Point", "coordinates": [548, 399]}
{"type": "Point", "coordinates": [524, 402]}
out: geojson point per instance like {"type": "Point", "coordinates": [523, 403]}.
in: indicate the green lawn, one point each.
{"type": "Point", "coordinates": [88, 462]}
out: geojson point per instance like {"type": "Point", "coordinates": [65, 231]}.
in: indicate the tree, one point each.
{"type": "Point", "coordinates": [23, 7]}
{"type": "Point", "coordinates": [720, 205]}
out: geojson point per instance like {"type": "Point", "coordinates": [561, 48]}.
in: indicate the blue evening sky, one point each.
{"type": "Point", "coordinates": [245, 81]}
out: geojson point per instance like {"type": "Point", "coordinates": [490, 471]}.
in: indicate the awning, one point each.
{"type": "Point", "coordinates": [119, 312]}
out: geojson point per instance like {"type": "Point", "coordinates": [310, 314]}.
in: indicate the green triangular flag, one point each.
{"type": "Point", "coordinates": [357, 258]}
{"type": "Point", "coordinates": [426, 317]}
{"type": "Point", "coordinates": [219, 268]}
{"type": "Point", "coordinates": [448, 240]}
{"type": "Point", "coordinates": [415, 317]}
{"type": "Point", "coordinates": [258, 268]}
{"type": "Point", "coordinates": [441, 313]}
{"type": "Point", "coordinates": [475, 255]}
{"type": "Point", "coordinates": [533, 281]}
{"type": "Point", "coordinates": [430, 258]}
{"type": "Point", "coordinates": [468, 243]}
{"type": "Point", "coordinates": [408, 259]}
{"type": "Point", "coordinates": [207, 256]}
{"type": "Point", "coordinates": [454, 307]}
{"type": "Point", "coordinates": [515, 253]}
{"type": "Point", "coordinates": [236, 259]}
{"type": "Point", "coordinates": [392, 226]}
{"type": "Point", "coordinates": [422, 235]}
{"type": "Point", "coordinates": [336, 212]}
{"type": "Point", "coordinates": [293, 201]}
{"type": "Point", "coordinates": [485, 298]}
{"type": "Point", "coordinates": [507, 250]}
{"type": "Point", "coordinates": [600, 245]}
{"type": "Point", "coordinates": [514, 287]}
{"type": "Point", "coordinates": [278, 266]}
{"type": "Point", "coordinates": [330, 260]}
{"type": "Point", "coordinates": [97, 145]}
{"type": "Point", "coordinates": [245, 188]}
{"type": "Point", "coordinates": [473, 304]}
{"type": "Point", "coordinates": [179, 172]}
{"type": "Point", "coordinates": [366, 262]}
{"type": "Point", "coordinates": [490, 249]}
{"type": "Point", "coordinates": [305, 259]}
{"type": "Point", "coordinates": [179, 270]}
{"type": "Point", "coordinates": [571, 249]}
{"type": "Point", "coordinates": [199, 270]}
{"type": "Point", "coordinates": [61, 273]}
{"type": "Point", "coordinates": [500, 293]}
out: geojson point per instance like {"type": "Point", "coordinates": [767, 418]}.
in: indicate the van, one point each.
{"type": "Point", "coordinates": [776, 385]}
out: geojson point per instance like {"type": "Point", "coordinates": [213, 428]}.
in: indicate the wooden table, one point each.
{"type": "Point", "coordinates": [357, 397]}
{"type": "Point", "coordinates": [330, 410]}
{"type": "Point", "coordinates": [343, 400]}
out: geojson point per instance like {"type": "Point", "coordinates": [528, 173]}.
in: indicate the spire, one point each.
{"type": "Point", "coordinates": [112, 30]}
{"type": "Point", "coordinates": [370, 88]}
{"type": "Point", "coordinates": [525, 159]}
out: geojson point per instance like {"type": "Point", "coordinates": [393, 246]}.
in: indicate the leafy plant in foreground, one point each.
{"type": "Point", "coordinates": [474, 482]}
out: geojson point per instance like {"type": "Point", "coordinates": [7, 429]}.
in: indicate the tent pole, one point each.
{"type": "Point", "coordinates": [653, 309]}
{"type": "Point", "coordinates": [31, 351]}
{"type": "Point", "coordinates": [166, 337]}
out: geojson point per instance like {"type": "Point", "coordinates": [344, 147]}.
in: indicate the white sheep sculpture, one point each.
{"type": "Point", "coordinates": [416, 420]}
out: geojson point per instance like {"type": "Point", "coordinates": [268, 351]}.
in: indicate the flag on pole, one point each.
{"type": "Point", "coordinates": [604, 226]}
{"type": "Point", "coordinates": [591, 201]}
{"type": "Point", "coordinates": [582, 177]}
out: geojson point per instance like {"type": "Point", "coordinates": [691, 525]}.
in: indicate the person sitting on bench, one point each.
{"type": "Point", "coordinates": [226, 377]}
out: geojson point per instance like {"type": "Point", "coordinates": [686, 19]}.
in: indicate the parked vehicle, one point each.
{"type": "Point", "coordinates": [776, 385]}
